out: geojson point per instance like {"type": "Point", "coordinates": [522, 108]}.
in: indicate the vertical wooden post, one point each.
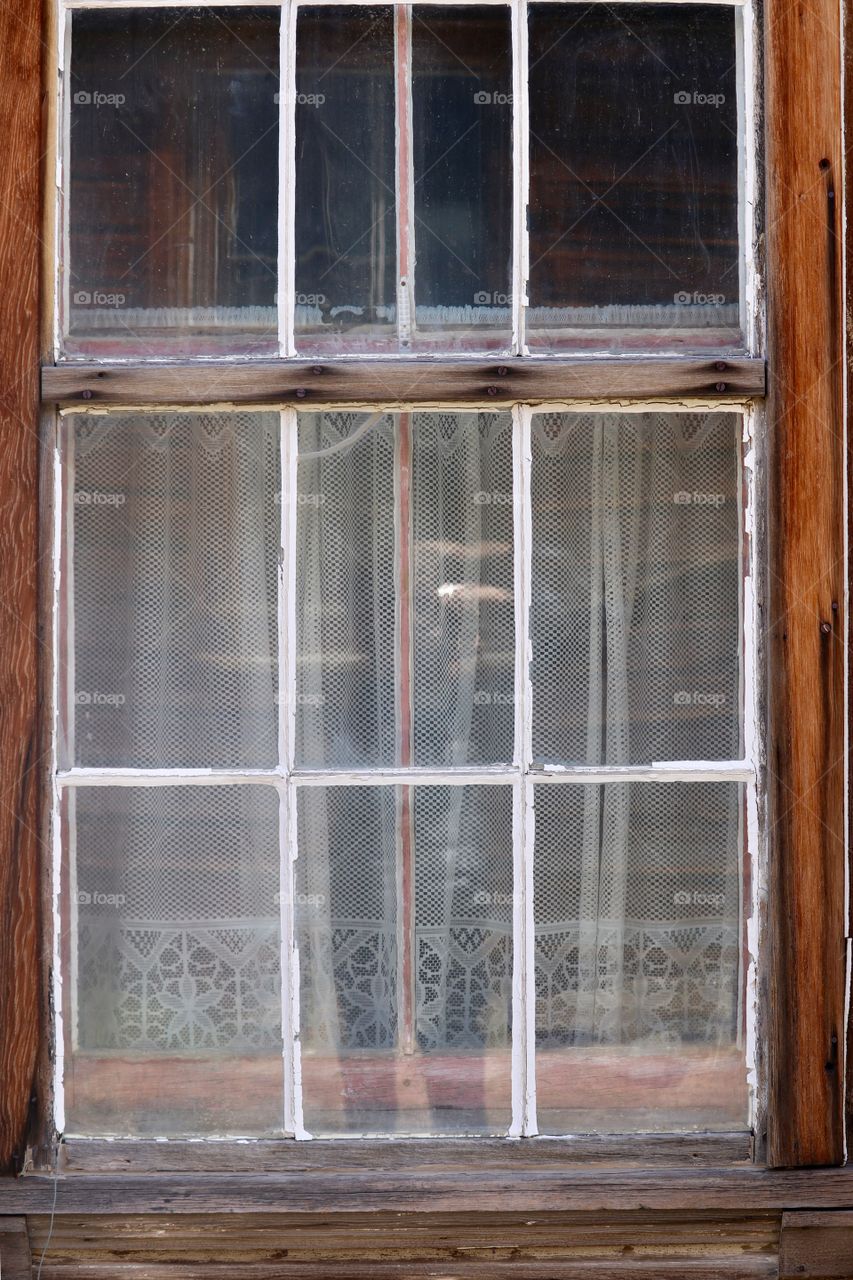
{"type": "Point", "coordinates": [806, 525]}
{"type": "Point", "coordinates": [20, 256]}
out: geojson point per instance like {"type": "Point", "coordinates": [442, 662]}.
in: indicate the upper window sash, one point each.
{"type": "Point", "coordinates": [416, 279]}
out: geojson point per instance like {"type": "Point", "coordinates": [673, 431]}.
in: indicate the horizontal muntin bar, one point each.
{"type": "Point", "coordinates": [660, 771]}
{"type": "Point", "coordinates": [313, 383]}
{"type": "Point", "coordinates": [106, 777]}
{"type": "Point", "coordinates": [485, 775]}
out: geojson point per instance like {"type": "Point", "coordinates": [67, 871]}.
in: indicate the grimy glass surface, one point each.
{"type": "Point", "coordinates": [405, 184]}
{"type": "Point", "coordinates": [405, 614]}
{"type": "Point", "coordinates": [173, 988]}
{"type": "Point", "coordinates": [639, 904]}
{"type": "Point", "coordinates": [346, 204]}
{"type": "Point", "coordinates": [633, 173]}
{"type": "Point", "coordinates": [635, 614]}
{"type": "Point", "coordinates": [174, 181]}
{"type": "Point", "coordinates": [462, 131]}
{"type": "Point", "coordinates": [171, 577]}
{"type": "Point", "coordinates": [406, 992]}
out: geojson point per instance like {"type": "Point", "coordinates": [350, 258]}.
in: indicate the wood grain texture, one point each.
{"type": "Point", "coordinates": [358, 1246]}
{"type": "Point", "coordinates": [805, 432]}
{"type": "Point", "coordinates": [394, 381]}
{"type": "Point", "coordinates": [701, 1150]}
{"type": "Point", "coordinates": [816, 1246]}
{"type": "Point", "coordinates": [15, 1260]}
{"type": "Point", "coordinates": [707, 1268]}
{"type": "Point", "coordinates": [432, 1189]}
{"type": "Point", "coordinates": [20, 257]}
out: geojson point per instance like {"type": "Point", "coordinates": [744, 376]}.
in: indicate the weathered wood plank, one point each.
{"type": "Point", "coordinates": [15, 1260]}
{"type": "Point", "coordinates": [20, 257]}
{"type": "Point", "coordinates": [710, 1268]}
{"type": "Point", "coordinates": [816, 1246]}
{"type": "Point", "coordinates": [394, 381]}
{"type": "Point", "coordinates": [434, 1191]}
{"type": "Point", "coordinates": [698, 1150]}
{"type": "Point", "coordinates": [805, 430]}
{"type": "Point", "coordinates": [267, 1236]}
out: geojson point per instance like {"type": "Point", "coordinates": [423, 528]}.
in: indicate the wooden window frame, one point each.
{"type": "Point", "coordinates": [802, 1038]}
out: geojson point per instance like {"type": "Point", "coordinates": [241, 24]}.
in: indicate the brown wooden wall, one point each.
{"type": "Point", "coordinates": [20, 257]}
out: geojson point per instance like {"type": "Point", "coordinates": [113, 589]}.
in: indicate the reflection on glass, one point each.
{"type": "Point", "coordinates": [174, 1006]}
{"type": "Point", "coordinates": [633, 173]}
{"type": "Point", "coordinates": [174, 181]}
{"type": "Point", "coordinates": [462, 129]}
{"type": "Point", "coordinates": [404, 928]}
{"type": "Point", "coordinates": [404, 186]}
{"type": "Point", "coordinates": [635, 602]}
{"type": "Point", "coordinates": [345, 179]}
{"type": "Point", "coordinates": [174, 571]}
{"type": "Point", "coordinates": [637, 891]}
{"type": "Point", "coordinates": [405, 620]}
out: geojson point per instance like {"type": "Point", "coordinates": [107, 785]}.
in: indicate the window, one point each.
{"type": "Point", "coordinates": [406, 745]}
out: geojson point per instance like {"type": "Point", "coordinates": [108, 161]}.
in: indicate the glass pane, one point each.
{"type": "Point", "coordinates": [173, 1018]}
{"type": "Point", "coordinates": [444, 142]}
{"type": "Point", "coordinates": [174, 174]}
{"type": "Point", "coordinates": [346, 249]}
{"type": "Point", "coordinates": [633, 174]}
{"type": "Point", "coordinates": [405, 649]}
{"type": "Point", "coordinates": [635, 606]}
{"type": "Point", "coordinates": [462, 128]}
{"type": "Point", "coordinates": [404, 924]}
{"type": "Point", "coordinates": [175, 534]}
{"type": "Point", "coordinates": [639, 974]}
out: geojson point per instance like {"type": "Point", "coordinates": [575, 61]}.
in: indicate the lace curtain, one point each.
{"type": "Point", "coordinates": [634, 602]}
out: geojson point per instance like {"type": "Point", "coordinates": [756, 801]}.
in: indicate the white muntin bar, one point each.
{"type": "Point", "coordinates": [169, 777]}
{"type": "Point", "coordinates": [524, 988]}
{"type": "Point", "coordinates": [486, 776]}
{"type": "Point", "coordinates": [663, 771]}
{"type": "Point", "coordinates": [754, 843]}
{"type": "Point", "coordinates": [286, 295]}
{"type": "Point", "coordinates": [288, 842]}
{"type": "Point", "coordinates": [520, 175]}
{"type": "Point", "coordinates": [56, 802]}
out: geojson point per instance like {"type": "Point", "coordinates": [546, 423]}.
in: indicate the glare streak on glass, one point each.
{"type": "Point", "coordinates": [174, 182]}
{"type": "Point", "coordinates": [637, 893]}
{"type": "Point", "coordinates": [636, 582]}
{"type": "Point", "coordinates": [174, 1023]}
{"type": "Point", "coordinates": [633, 174]}
{"type": "Point", "coordinates": [353, 932]}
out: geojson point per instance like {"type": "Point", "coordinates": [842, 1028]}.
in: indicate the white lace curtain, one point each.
{"type": "Point", "coordinates": [634, 602]}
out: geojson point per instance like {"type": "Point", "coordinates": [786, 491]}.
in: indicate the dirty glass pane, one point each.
{"type": "Point", "coordinates": [638, 895]}
{"type": "Point", "coordinates": [633, 174]}
{"type": "Point", "coordinates": [405, 604]}
{"type": "Point", "coordinates": [462, 124]}
{"type": "Point", "coordinates": [172, 585]}
{"type": "Point", "coordinates": [346, 250]}
{"type": "Point", "coordinates": [173, 988]}
{"type": "Point", "coordinates": [174, 176]}
{"type": "Point", "coordinates": [406, 998]}
{"type": "Point", "coordinates": [635, 612]}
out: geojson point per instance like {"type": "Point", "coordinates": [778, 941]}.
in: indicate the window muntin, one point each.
{"type": "Point", "coordinates": [638, 877]}
{"type": "Point", "coordinates": [424, 245]}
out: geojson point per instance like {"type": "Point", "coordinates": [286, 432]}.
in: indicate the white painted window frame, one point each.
{"type": "Point", "coordinates": [285, 778]}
